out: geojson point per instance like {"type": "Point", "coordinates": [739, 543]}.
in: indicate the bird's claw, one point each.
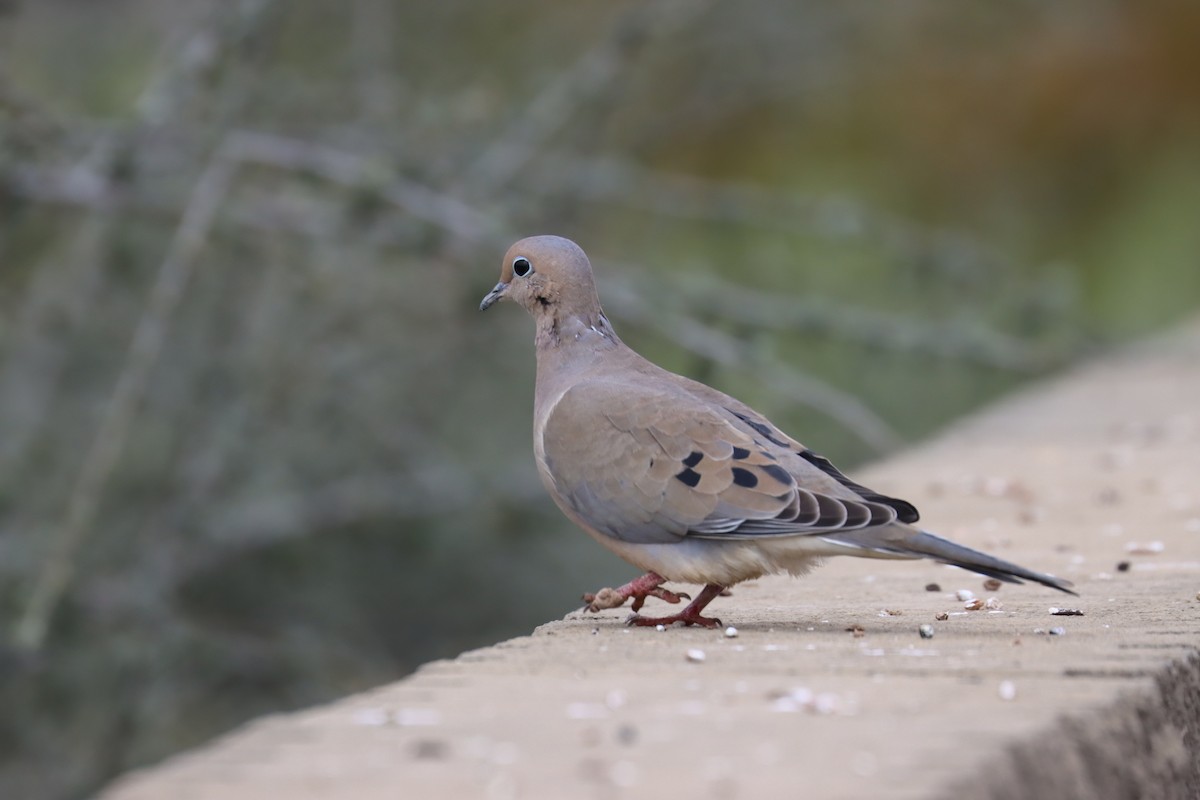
{"type": "Point", "coordinates": [604, 598]}
{"type": "Point", "coordinates": [638, 621]}
{"type": "Point", "coordinates": [639, 589]}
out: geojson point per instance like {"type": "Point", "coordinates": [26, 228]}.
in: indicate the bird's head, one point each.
{"type": "Point", "coordinates": [549, 276]}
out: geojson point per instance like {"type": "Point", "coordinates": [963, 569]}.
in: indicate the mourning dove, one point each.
{"type": "Point", "coordinates": [677, 478]}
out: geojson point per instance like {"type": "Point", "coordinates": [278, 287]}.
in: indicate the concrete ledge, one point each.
{"type": "Point", "coordinates": [828, 690]}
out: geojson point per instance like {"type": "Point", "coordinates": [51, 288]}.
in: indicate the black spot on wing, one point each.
{"type": "Point", "coordinates": [766, 431]}
{"type": "Point", "coordinates": [689, 477]}
{"type": "Point", "coordinates": [693, 459]}
{"type": "Point", "coordinates": [740, 453]}
{"type": "Point", "coordinates": [905, 511]}
{"type": "Point", "coordinates": [778, 473]}
{"type": "Point", "coordinates": [744, 477]}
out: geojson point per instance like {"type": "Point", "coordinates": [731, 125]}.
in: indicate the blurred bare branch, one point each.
{"type": "Point", "coordinates": [952, 340]}
{"type": "Point", "coordinates": [742, 356]}
{"type": "Point", "coordinates": [538, 121]}
{"type": "Point", "coordinates": [148, 340]}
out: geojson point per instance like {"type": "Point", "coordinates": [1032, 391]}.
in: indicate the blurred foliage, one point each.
{"type": "Point", "coordinates": [257, 447]}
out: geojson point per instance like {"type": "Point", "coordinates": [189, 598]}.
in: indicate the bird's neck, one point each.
{"type": "Point", "coordinates": [570, 345]}
{"type": "Point", "coordinates": [589, 330]}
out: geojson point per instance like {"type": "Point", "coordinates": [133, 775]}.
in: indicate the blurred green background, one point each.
{"type": "Point", "coordinates": [257, 446]}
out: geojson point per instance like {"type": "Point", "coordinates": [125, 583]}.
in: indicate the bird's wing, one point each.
{"type": "Point", "coordinates": [652, 463]}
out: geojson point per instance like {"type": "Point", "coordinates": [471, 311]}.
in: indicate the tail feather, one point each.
{"type": "Point", "coordinates": [905, 541]}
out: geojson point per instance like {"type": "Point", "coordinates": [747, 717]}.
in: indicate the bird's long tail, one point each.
{"type": "Point", "coordinates": [904, 541]}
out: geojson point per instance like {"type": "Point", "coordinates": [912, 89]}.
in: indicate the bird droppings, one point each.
{"type": "Point", "coordinates": [731, 632]}
{"type": "Point", "coordinates": [1145, 548]}
{"type": "Point", "coordinates": [1052, 631]}
{"type": "Point", "coordinates": [1007, 690]}
{"type": "Point", "coordinates": [696, 655]}
{"type": "Point", "coordinates": [1065, 612]}
{"type": "Point", "coordinates": [973, 605]}
{"type": "Point", "coordinates": [992, 585]}
{"type": "Point", "coordinates": [932, 587]}
{"type": "Point", "coordinates": [926, 631]}
{"type": "Point", "coordinates": [660, 628]}
{"type": "Point", "coordinates": [964, 595]}
{"type": "Point", "coordinates": [890, 612]}
{"type": "Point", "coordinates": [993, 604]}
{"type": "Point", "coordinates": [941, 616]}
{"type": "Point", "coordinates": [856, 630]}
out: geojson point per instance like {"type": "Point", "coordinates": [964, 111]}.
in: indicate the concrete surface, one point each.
{"type": "Point", "coordinates": [828, 690]}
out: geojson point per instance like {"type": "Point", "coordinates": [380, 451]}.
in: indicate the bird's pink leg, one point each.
{"type": "Point", "coordinates": [689, 615]}
{"type": "Point", "coordinates": [649, 585]}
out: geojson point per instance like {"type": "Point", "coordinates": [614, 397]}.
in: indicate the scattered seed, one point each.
{"type": "Point", "coordinates": [1065, 612]}
{"type": "Point", "coordinates": [1057, 631]}
{"type": "Point", "coordinates": [1008, 690]}
{"type": "Point", "coordinates": [826, 703]}
{"type": "Point", "coordinates": [965, 595]}
{"type": "Point", "coordinates": [417, 717]}
{"type": "Point", "coordinates": [857, 630]}
{"type": "Point", "coordinates": [430, 749]}
{"type": "Point", "coordinates": [1145, 548]}
{"type": "Point", "coordinates": [888, 612]}
{"type": "Point", "coordinates": [731, 632]}
{"type": "Point", "coordinates": [932, 587]}
{"type": "Point", "coordinates": [696, 656]}
{"type": "Point", "coordinates": [1123, 566]}
{"type": "Point", "coordinates": [973, 605]}
{"type": "Point", "coordinates": [1029, 515]}
{"type": "Point", "coordinates": [941, 616]}
{"type": "Point", "coordinates": [991, 584]}
{"type": "Point", "coordinates": [660, 628]}
{"type": "Point", "coordinates": [581, 710]}
{"type": "Point", "coordinates": [993, 604]}
{"type": "Point", "coordinates": [372, 717]}
{"type": "Point", "coordinates": [926, 631]}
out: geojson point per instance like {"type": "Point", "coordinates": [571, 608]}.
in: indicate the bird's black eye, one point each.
{"type": "Point", "coordinates": [521, 266]}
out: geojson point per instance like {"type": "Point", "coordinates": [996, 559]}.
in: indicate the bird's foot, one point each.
{"type": "Point", "coordinates": [649, 585]}
{"type": "Point", "coordinates": [688, 616]}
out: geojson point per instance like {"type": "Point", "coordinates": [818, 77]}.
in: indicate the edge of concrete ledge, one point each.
{"type": "Point", "coordinates": [827, 690]}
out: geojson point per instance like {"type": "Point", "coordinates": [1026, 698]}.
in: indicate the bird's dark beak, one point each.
{"type": "Point", "coordinates": [493, 296]}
